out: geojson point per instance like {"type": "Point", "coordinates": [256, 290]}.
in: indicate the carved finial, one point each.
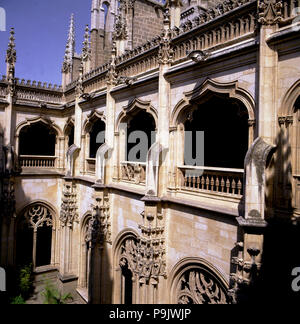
{"type": "Point", "coordinates": [11, 54]}
{"type": "Point", "coordinates": [86, 49]}
{"type": "Point", "coordinates": [270, 12]}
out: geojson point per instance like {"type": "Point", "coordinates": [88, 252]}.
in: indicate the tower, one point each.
{"type": "Point", "coordinates": [102, 25]}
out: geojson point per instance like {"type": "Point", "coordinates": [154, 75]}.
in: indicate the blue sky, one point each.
{"type": "Point", "coordinates": [41, 28]}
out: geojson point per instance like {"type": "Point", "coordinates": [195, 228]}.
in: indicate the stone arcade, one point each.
{"type": "Point", "coordinates": [112, 229]}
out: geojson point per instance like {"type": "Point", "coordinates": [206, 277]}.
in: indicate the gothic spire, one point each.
{"type": "Point", "coordinates": [70, 47]}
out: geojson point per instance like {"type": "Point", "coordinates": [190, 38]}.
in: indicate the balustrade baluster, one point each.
{"type": "Point", "coordinates": [207, 182]}
{"type": "Point", "coordinates": [202, 182]}
{"type": "Point", "coordinates": [222, 184]}
{"type": "Point", "coordinates": [227, 185]}
{"type": "Point", "coordinates": [239, 186]}
{"type": "Point", "coordinates": [233, 185]}
{"type": "Point", "coordinates": [198, 182]}
{"type": "Point", "coordinates": [194, 182]}
{"type": "Point", "coordinates": [212, 183]}
{"type": "Point", "coordinates": [217, 183]}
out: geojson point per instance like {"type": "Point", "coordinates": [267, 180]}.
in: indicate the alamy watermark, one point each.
{"type": "Point", "coordinates": [296, 281]}
{"type": "Point", "coordinates": [139, 152]}
{"type": "Point", "coordinates": [2, 19]}
{"type": "Point", "coordinates": [2, 280]}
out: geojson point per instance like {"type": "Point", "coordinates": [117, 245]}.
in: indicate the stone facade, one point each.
{"type": "Point", "coordinates": [160, 230]}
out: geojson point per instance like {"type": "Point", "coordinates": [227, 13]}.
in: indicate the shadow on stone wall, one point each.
{"type": "Point", "coordinates": [281, 237]}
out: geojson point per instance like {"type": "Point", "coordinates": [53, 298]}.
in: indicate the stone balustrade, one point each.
{"type": "Point", "coordinates": [208, 179]}
{"type": "Point", "coordinates": [37, 161]}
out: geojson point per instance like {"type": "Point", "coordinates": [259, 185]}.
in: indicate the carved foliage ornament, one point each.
{"type": "Point", "coordinates": [68, 213]}
{"type": "Point", "coordinates": [143, 259]}
{"type": "Point", "coordinates": [270, 12]}
{"type": "Point", "coordinates": [197, 286]}
{"type": "Point", "coordinates": [99, 228]}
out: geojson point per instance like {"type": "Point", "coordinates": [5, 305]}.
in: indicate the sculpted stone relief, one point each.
{"type": "Point", "coordinates": [196, 286]}
{"type": "Point", "coordinates": [142, 259]}
{"type": "Point", "coordinates": [68, 212]}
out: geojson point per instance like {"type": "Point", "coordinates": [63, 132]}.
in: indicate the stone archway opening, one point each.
{"type": "Point", "coordinates": [37, 139]}
{"type": "Point", "coordinates": [224, 123]}
{"type": "Point", "coordinates": [140, 131]}
{"type": "Point", "coordinates": [36, 228]}
{"type": "Point", "coordinates": [96, 140]}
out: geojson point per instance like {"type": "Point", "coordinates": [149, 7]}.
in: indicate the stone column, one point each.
{"type": "Point", "coordinates": [269, 16]}
{"type": "Point", "coordinates": [165, 59]}
{"type": "Point", "coordinates": [110, 122]}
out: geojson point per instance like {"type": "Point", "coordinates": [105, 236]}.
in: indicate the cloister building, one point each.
{"type": "Point", "coordinates": [217, 77]}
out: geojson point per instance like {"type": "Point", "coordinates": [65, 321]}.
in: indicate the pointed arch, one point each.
{"type": "Point", "coordinates": [231, 89]}
{"type": "Point", "coordinates": [85, 252]}
{"type": "Point", "coordinates": [133, 108]}
{"type": "Point", "coordinates": [91, 119]}
{"type": "Point", "coordinates": [123, 275]}
{"type": "Point", "coordinates": [36, 224]}
{"type": "Point", "coordinates": [202, 281]}
{"type": "Point", "coordinates": [287, 107]}
{"type": "Point", "coordinates": [45, 120]}
{"type": "Point", "coordinates": [69, 123]}
{"type": "Point", "coordinates": [52, 209]}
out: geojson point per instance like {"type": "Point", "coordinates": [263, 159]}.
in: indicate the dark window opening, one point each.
{"type": "Point", "coordinates": [71, 136]}
{"type": "Point", "coordinates": [145, 123]}
{"type": "Point", "coordinates": [127, 280]}
{"type": "Point", "coordinates": [37, 139]}
{"type": "Point", "coordinates": [225, 126]}
{"type": "Point", "coordinates": [24, 246]}
{"type": "Point", "coordinates": [43, 248]}
{"type": "Point", "coordinates": [98, 127]}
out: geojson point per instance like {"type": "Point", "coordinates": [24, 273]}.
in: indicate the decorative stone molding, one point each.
{"type": "Point", "coordinates": [270, 12]}
{"type": "Point", "coordinates": [68, 213]}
